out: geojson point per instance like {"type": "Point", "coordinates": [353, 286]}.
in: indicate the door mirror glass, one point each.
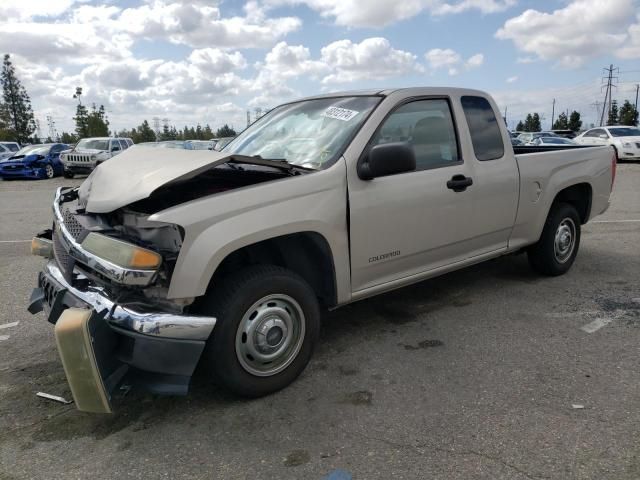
{"type": "Point", "coordinates": [387, 159]}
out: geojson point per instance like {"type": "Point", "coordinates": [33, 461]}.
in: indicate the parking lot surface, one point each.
{"type": "Point", "coordinates": [491, 372]}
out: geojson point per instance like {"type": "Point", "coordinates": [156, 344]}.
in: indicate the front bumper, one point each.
{"type": "Point", "coordinates": [24, 171]}
{"type": "Point", "coordinates": [79, 169]}
{"type": "Point", "coordinates": [156, 351]}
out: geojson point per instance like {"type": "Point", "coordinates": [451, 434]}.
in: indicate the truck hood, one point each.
{"type": "Point", "coordinates": [137, 172]}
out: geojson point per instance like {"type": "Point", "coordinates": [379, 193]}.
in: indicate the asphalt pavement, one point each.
{"type": "Point", "coordinates": [492, 372]}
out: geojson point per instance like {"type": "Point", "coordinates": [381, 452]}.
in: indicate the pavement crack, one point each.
{"type": "Point", "coordinates": [468, 452]}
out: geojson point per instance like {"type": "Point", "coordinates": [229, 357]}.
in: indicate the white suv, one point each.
{"type": "Point", "coordinates": [626, 140]}
{"type": "Point", "coordinates": [7, 149]}
{"type": "Point", "coordinates": [91, 152]}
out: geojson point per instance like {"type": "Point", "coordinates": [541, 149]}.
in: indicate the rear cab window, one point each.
{"type": "Point", "coordinates": [486, 135]}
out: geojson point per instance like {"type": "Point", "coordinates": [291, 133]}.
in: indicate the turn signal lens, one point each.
{"type": "Point", "coordinates": [123, 254]}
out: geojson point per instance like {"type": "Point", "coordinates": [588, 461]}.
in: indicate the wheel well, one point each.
{"type": "Point", "coordinates": [579, 196]}
{"type": "Point", "coordinates": [305, 253]}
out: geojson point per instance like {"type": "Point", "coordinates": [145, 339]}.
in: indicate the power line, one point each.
{"type": "Point", "coordinates": [607, 96]}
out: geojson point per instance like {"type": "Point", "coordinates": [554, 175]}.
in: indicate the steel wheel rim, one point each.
{"type": "Point", "coordinates": [49, 171]}
{"type": "Point", "coordinates": [270, 335]}
{"type": "Point", "coordinates": [565, 240]}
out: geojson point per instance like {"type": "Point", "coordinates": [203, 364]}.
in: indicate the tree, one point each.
{"type": "Point", "coordinates": [16, 104]}
{"type": "Point", "coordinates": [575, 124]}
{"type": "Point", "coordinates": [225, 131]}
{"type": "Point", "coordinates": [562, 123]}
{"type": "Point", "coordinates": [612, 119]}
{"type": "Point", "coordinates": [82, 121]}
{"type": "Point", "coordinates": [628, 114]}
{"type": "Point", "coordinates": [68, 138]}
{"type": "Point", "coordinates": [97, 122]}
{"type": "Point", "coordinates": [520, 127]}
{"type": "Point", "coordinates": [143, 133]}
{"type": "Point", "coordinates": [532, 123]}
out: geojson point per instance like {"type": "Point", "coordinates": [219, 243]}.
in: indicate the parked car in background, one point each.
{"type": "Point", "coordinates": [91, 152]}
{"type": "Point", "coordinates": [625, 140]}
{"type": "Point", "coordinates": [34, 161]}
{"type": "Point", "coordinates": [516, 142]}
{"type": "Point", "coordinates": [552, 142]}
{"type": "Point", "coordinates": [565, 133]}
{"type": "Point", "coordinates": [199, 145]}
{"type": "Point", "coordinates": [163, 260]}
{"type": "Point", "coordinates": [7, 149]}
{"type": "Point", "coordinates": [526, 137]}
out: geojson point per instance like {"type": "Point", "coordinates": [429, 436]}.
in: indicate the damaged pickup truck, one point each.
{"type": "Point", "coordinates": [162, 260]}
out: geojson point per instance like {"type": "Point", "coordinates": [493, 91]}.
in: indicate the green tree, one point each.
{"type": "Point", "coordinates": [532, 123]}
{"type": "Point", "coordinates": [97, 122]}
{"type": "Point", "coordinates": [82, 121]}
{"type": "Point", "coordinates": [628, 114]}
{"type": "Point", "coordinates": [562, 122]}
{"type": "Point", "coordinates": [613, 119]}
{"type": "Point", "coordinates": [207, 133]}
{"type": "Point", "coordinates": [143, 133]}
{"type": "Point", "coordinates": [16, 108]}
{"type": "Point", "coordinates": [68, 138]}
{"type": "Point", "coordinates": [225, 131]}
{"type": "Point", "coordinates": [520, 127]}
{"type": "Point", "coordinates": [575, 124]}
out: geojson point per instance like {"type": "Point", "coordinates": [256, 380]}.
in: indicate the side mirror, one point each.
{"type": "Point", "coordinates": [387, 159]}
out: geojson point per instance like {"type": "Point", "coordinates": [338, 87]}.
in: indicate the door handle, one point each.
{"type": "Point", "coordinates": [459, 183]}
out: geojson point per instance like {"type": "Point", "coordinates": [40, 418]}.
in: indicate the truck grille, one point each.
{"type": "Point", "coordinates": [72, 225]}
{"type": "Point", "coordinates": [64, 260]}
{"type": "Point", "coordinates": [75, 158]}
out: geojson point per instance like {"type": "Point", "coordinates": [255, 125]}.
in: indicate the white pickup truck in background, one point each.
{"type": "Point", "coordinates": [163, 259]}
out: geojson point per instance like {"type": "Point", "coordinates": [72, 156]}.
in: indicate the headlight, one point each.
{"type": "Point", "coordinates": [627, 144]}
{"type": "Point", "coordinates": [123, 254]}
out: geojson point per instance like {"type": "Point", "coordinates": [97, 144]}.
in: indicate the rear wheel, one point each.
{"type": "Point", "coordinates": [558, 246]}
{"type": "Point", "coordinates": [268, 322]}
{"type": "Point", "coordinates": [48, 171]}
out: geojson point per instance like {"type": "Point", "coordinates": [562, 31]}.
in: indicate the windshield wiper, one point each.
{"type": "Point", "coordinates": [279, 163]}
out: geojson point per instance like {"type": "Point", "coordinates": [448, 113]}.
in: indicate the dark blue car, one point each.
{"type": "Point", "coordinates": [34, 161]}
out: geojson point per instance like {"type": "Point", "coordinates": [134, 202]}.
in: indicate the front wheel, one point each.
{"type": "Point", "coordinates": [48, 171]}
{"type": "Point", "coordinates": [558, 246]}
{"type": "Point", "coordinates": [268, 322]}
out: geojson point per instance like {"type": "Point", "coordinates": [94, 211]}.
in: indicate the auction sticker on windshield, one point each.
{"type": "Point", "coordinates": [343, 114]}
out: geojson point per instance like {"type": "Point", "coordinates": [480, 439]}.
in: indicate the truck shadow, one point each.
{"type": "Point", "coordinates": [368, 320]}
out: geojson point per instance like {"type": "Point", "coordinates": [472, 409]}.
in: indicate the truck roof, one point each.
{"type": "Point", "coordinates": [410, 91]}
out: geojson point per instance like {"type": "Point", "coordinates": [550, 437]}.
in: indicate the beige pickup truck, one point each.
{"type": "Point", "coordinates": [162, 259]}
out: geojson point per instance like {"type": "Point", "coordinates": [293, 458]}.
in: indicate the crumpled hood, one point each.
{"type": "Point", "coordinates": [137, 172]}
{"type": "Point", "coordinates": [23, 160]}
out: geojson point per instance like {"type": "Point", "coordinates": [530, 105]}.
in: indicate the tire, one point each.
{"type": "Point", "coordinates": [261, 311]}
{"type": "Point", "coordinates": [49, 171]}
{"type": "Point", "coordinates": [67, 174]}
{"type": "Point", "coordinates": [558, 246]}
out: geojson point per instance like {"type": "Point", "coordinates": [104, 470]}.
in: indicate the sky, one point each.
{"type": "Point", "coordinates": [209, 62]}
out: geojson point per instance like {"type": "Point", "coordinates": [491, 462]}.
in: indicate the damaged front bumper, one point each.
{"type": "Point", "coordinates": [103, 344]}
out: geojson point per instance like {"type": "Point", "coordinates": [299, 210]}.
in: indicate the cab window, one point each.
{"type": "Point", "coordinates": [427, 125]}
{"type": "Point", "coordinates": [486, 136]}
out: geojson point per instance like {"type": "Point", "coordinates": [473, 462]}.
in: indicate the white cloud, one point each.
{"type": "Point", "coordinates": [24, 9]}
{"type": "Point", "coordinates": [451, 60]}
{"type": "Point", "coordinates": [512, 79]}
{"type": "Point", "coordinates": [355, 13]}
{"type": "Point", "coordinates": [631, 48]}
{"type": "Point", "coordinates": [571, 35]}
{"type": "Point", "coordinates": [371, 58]}
{"type": "Point", "coordinates": [201, 26]}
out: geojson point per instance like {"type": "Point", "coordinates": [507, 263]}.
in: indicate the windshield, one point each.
{"type": "Point", "coordinates": [93, 144]}
{"type": "Point", "coordinates": [625, 132]}
{"type": "Point", "coordinates": [310, 133]}
{"type": "Point", "coordinates": [33, 150]}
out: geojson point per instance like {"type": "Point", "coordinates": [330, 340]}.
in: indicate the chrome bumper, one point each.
{"type": "Point", "coordinates": [155, 324]}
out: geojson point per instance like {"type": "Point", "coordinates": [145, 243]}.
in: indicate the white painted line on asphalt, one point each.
{"type": "Point", "coordinates": [596, 325]}
{"type": "Point", "coordinates": [14, 241]}
{"type": "Point", "coordinates": [616, 221]}
{"type": "Point", "coordinates": [4, 337]}
{"type": "Point", "coordinates": [572, 314]}
{"type": "Point", "coordinates": [9, 325]}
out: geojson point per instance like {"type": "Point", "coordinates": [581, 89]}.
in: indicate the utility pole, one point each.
{"type": "Point", "coordinates": [553, 113]}
{"type": "Point", "coordinates": [505, 115]}
{"type": "Point", "coordinates": [637, 88]}
{"type": "Point", "coordinates": [248, 118]}
{"type": "Point", "coordinates": [608, 93]}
